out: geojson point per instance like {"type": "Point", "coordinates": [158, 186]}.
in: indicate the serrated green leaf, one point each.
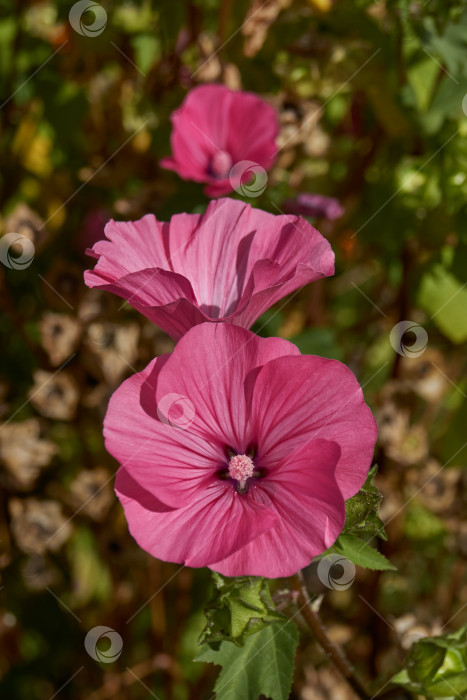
{"type": "Point", "coordinates": [263, 666]}
{"type": "Point", "coordinates": [360, 553]}
{"type": "Point", "coordinates": [241, 606]}
{"type": "Point", "coordinates": [361, 511]}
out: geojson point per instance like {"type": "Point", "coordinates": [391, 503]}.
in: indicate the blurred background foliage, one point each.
{"type": "Point", "coordinates": [371, 98]}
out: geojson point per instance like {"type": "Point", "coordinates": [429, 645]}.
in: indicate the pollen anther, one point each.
{"type": "Point", "coordinates": [241, 468]}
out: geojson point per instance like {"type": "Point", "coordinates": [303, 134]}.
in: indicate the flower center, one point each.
{"type": "Point", "coordinates": [241, 468]}
{"type": "Point", "coordinates": [221, 164]}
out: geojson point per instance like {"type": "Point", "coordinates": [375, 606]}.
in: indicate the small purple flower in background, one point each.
{"type": "Point", "coordinates": [317, 206]}
{"type": "Point", "coordinates": [229, 264]}
{"type": "Point", "coordinates": [216, 129]}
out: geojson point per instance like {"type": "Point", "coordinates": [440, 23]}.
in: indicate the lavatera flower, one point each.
{"type": "Point", "coordinates": [217, 133]}
{"type": "Point", "coordinates": [227, 265]}
{"type": "Point", "coordinates": [237, 452]}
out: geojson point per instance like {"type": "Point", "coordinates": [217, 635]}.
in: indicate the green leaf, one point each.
{"type": "Point", "coordinates": [241, 606]}
{"type": "Point", "coordinates": [147, 48]}
{"type": "Point", "coordinates": [318, 341]}
{"type": "Point", "coordinates": [360, 553]}
{"type": "Point", "coordinates": [263, 666]}
{"type": "Point", "coordinates": [437, 666]}
{"type": "Point", "coordinates": [449, 687]}
{"type": "Point", "coordinates": [361, 511]}
{"type": "Point", "coordinates": [425, 661]}
{"type": "Point", "coordinates": [451, 45]}
{"type": "Point", "coordinates": [445, 299]}
{"type": "Point", "coordinates": [422, 78]}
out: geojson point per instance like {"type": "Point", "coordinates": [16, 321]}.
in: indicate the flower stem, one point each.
{"type": "Point", "coordinates": [333, 652]}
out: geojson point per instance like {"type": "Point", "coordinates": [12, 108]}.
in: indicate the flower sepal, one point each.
{"type": "Point", "coordinates": [239, 607]}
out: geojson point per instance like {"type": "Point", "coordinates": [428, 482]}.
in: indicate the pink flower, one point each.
{"type": "Point", "coordinates": [237, 452]}
{"type": "Point", "coordinates": [227, 265]}
{"type": "Point", "coordinates": [315, 205]}
{"type": "Point", "coordinates": [216, 128]}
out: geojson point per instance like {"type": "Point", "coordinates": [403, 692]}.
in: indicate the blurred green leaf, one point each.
{"type": "Point", "coordinates": [437, 666]}
{"type": "Point", "coordinates": [147, 48]}
{"type": "Point", "coordinates": [422, 78]}
{"type": "Point", "coordinates": [445, 299]}
{"type": "Point", "coordinates": [318, 341]}
{"type": "Point", "coordinates": [91, 576]}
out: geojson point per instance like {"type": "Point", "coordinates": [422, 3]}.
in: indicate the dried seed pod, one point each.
{"type": "Point", "coordinates": [59, 336]}
{"type": "Point", "coordinates": [24, 452]}
{"type": "Point", "coordinates": [115, 346]}
{"type": "Point", "coordinates": [38, 526]}
{"type": "Point", "coordinates": [92, 493]}
{"type": "Point", "coordinates": [54, 395]}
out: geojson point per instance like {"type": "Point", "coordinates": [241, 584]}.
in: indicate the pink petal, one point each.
{"type": "Point", "coordinates": [210, 366]}
{"type": "Point", "coordinates": [216, 524]}
{"type": "Point", "coordinates": [169, 462]}
{"type": "Point", "coordinates": [310, 512]}
{"type": "Point", "coordinates": [163, 270]}
{"type": "Point", "coordinates": [253, 131]}
{"type": "Point", "coordinates": [297, 399]}
{"type": "Point", "coordinates": [251, 251]}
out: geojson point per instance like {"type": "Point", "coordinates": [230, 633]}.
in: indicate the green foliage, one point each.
{"type": "Point", "coordinates": [445, 299]}
{"type": "Point", "coordinates": [240, 607]}
{"type": "Point", "coordinates": [263, 666]}
{"type": "Point", "coordinates": [437, 667]}
{"type": "Point", "coordinates": [361, 553]}
{"type": "Point", "coordinates": [362, 524]}
{"type": "Point", "coordinates": [90, 573]}
{"type": "Point", "coordinates": [361, 511]}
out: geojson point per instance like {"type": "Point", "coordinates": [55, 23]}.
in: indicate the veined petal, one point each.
{"type": "Point", "coordinates": [314, 397]}
{"type": "Point", "coordinates": [310, 512]}
{"type": "Point", "coordinates": [216, 524]}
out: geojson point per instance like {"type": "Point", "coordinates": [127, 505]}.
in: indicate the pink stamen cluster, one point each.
{"type": "Point", "coordinates": [241, 467]}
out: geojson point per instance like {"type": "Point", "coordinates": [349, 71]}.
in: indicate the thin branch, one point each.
{"type": "Point", "coordinates": [333, 652]}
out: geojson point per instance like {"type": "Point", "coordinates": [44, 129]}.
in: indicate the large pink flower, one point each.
{"type": "Point", "coordinates": [217, 128]}
{"type": "Point", "coordinates": [237, 452]}
{"type": "Point", "coordinates": [229, 264]}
